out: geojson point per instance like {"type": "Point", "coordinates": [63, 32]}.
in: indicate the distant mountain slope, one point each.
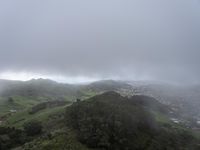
{"type": "Point", "coordinates": [39, 87]}
{"type": "Point", "coordinates": [49, 88]}
{"type": "Point", "coordinates": [108, 85]}
{"type": "Point", "coordinates": [185, 100]}
{"type": "Point", "coordinates": [20, 95]}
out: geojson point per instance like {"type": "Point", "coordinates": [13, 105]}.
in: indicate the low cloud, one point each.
{"type": "Point", "coordinates": [129, 40]}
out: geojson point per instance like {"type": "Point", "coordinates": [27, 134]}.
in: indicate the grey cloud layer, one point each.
{"type": "Point", "coordinates": [133, 39]}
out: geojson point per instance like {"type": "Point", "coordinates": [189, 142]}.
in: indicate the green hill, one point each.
{"type": "Point", "coordinates": [106, 122]}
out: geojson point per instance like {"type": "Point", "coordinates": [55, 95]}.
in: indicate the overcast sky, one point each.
{"type": "Point", "coordinates": [101, 39]}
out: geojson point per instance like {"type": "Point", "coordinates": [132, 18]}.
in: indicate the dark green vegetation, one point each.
{"type": "Point", "coordinates": [44, 105]}
{"type": "Point", "coordinates": [33, 128]}
{"type": "Point", "coordinates": [45, 115]}
{"type": "Point", "coordinates": [11, 137]}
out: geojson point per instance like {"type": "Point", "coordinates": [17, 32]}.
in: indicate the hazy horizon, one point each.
{"type": "Point", "coordinates": [83, 41]}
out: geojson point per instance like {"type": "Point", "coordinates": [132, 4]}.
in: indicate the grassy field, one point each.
{"type": "Point", "coordinates": [18, 119]}
{"type": "Point", "coordinates": [19, 103]}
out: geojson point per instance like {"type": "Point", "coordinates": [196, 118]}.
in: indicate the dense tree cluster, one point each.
{"type": "Point", "coordinates": [11, 137]}
{"type": "Point", "coordinates": [33, 128]}
{"type": "Point", "coordinates": [45, 105]}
